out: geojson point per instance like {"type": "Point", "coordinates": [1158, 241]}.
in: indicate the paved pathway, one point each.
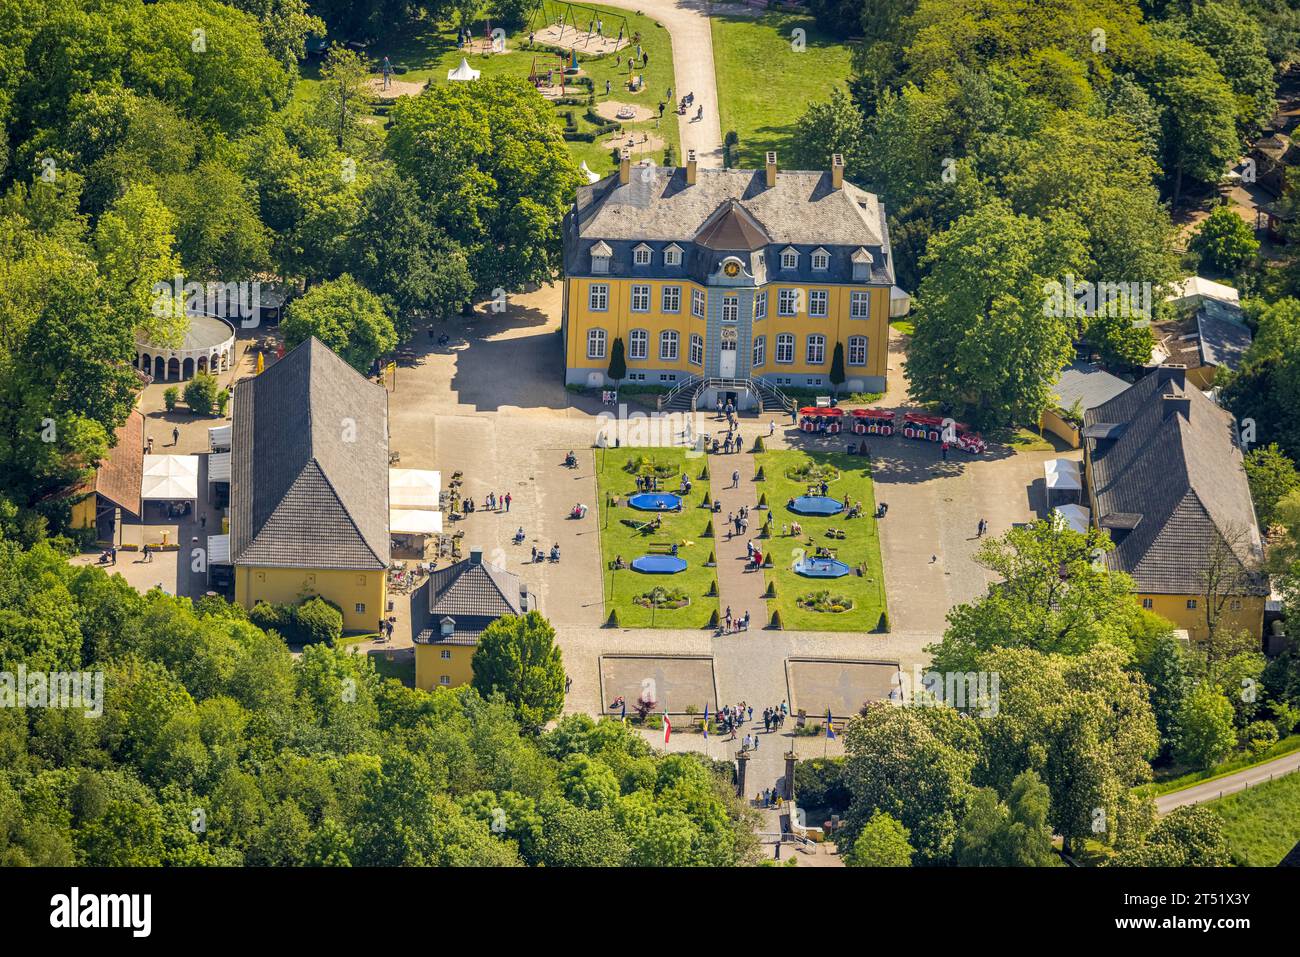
{"type": "Point", "coordinates": [738, 589]}
{"type": "Point", "coordinates": [687, 22]}
{"type": "Point", "coordinates": [1220, 787]}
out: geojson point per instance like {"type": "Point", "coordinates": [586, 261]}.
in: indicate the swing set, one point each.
{"type": "Point", "coordinates": [562, 15]}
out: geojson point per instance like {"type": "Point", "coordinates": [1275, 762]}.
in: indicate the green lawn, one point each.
{"type": "Point", "coordinates": [861, 547]}
{"type": "Point", "coordinates": [764, 85]}
{"type": "Point", "coordinates": [1262, 824]}
{"type": "Point", "coordinates": [619, 538]}
{"type": "Point", "coordinates": [1173, 779]}
{"type": "Point", "coordinates": [427, 51]}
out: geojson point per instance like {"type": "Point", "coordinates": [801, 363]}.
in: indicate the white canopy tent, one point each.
{"type": "Point", "coordinates": [170, 478]}
{"type": "Point", "coordinates": [1074, 516]}
{"type": "Point", "coordinates": [219, 438]}
{"type": "Point", "coordinates": [463, 73]}
{"type": "Point", "coordinates": [219, 467]}
{"type": "Point", "coordinates": [1061, 475]}
{"type": "Point", "coordinates": [218, 549]}
{"type": "Point", "coordinates": [414, 488]}
{"type": "Point", "coordinates": [414, 521]}
{"type": "Point", "coordinates": [586, 171]}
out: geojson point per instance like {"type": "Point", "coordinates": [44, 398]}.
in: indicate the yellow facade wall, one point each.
{"type": "Point", "coordinates": [1053, 423]}
{"type": "Point", "coordinates": [289, 586]}
{"type": "Point", "coordinates": [618, 321]}
{"type": "Point", "coordinates": [1239, 614]}
{"type": "Point", "coordinates": [431, 667]}
{"type": "Point", "coordinates": [83, 512]}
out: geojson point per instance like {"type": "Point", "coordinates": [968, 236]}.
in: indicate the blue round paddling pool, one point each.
{"type": "Point", "coordinates": [815, 505]}
{"type": "Point", "coordinates": [821, 568]}
{"type": "Point", "coordinates": [659, 564]}
{"type": "Point", "coordinates": [655, 502]}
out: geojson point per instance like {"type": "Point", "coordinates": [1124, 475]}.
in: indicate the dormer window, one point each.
{"type": "Point", "coordinates": [821, 260]}
{"type": "Point", "coordinates": [673, 255]}
{"type": "Point", "coordinates": [641, 255]}
{"type": "Point", "coordinates": [862, 262]}
{"type": "Point", "coordinates": [789, 258]}
{"type": "Point", "coordinates": [600, 257]}
{"type": "Point", "coordinates": [447, 626]}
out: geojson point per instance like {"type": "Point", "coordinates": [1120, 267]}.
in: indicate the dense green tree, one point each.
{"type": "Point", "coordinates": [987, 343]}
{"type": "Point", "coordinates": [1224, 241]}
{"type": "Point", "coordinates": [1010, 834]}
{"type": "Point", "coordinates": [518, 656]}
{"type": "Point", "coordinates": [490, 157]}
{"type": "Point", "coordinates": [882, 842]}
{"type": "Point", "coordinates": [347, 317]}
{"type": "Point", "coordinates": [826, 128]}
{"type": "Point", "coordinates": [1187, 837]}
{"type": "Point", "coordinates": [1206, 735]}
{"type": "Point", "coordinates": [1169, 675]}
{"type": "Point", "coordinates": [1272, 476]}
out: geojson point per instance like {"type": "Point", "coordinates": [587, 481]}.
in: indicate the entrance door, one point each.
{"type": "Point", "coordinates": [727, 357]}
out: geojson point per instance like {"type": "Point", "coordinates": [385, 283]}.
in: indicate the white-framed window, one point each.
{"type": "Point", "coordinates": [671, 300]}
{"type": "Point", "coordinates": [760, 351]}
{"type": "Point", "coordinates": [638, 344]}
{"type": "Point", "coordinates": [816, 351]}
{"type": "Point", "coordinates": [446, 654]}
{"type": "Point", "coordinates": [641, 255]}
{"type": "Point", "coordinates": [360, 608]}
{"type": "Point", "coordinates": [821, 260]}
{"type": "Point", "coordinates": [696, 356]}
{"type": "Point", "coordinates": [673, 256]}
{"type": "Point", "coordinates": [668, 377]}
{"type": "Point", "coordinates": [1234, 604]}
{"type": "Point", "coordinates": [697, 303]}
{"type": "Point", "coordinates": [818, 303]}
{"type": "Point", "coordinates": [1148, 604]}
{"type": "Point", "coordinates": [857, 350]}
{"type": "Point", "coordinates": [760, 305]}
{"type": "Point", "coordinates": [785, 347]}
{"type": "Point", "coordinates": [599, 264]}
{"type": "Point", "coordinates": [1191, 604]}
{"type": "Point", "coordinates": [598, 297]}
{"type": "Point", "coordinates": [789, 259]}
{"type": "Point", "coordinates": [730, 308]}
{"type": "Point", "coordinates": [787, 302]}
{"type": "Point", "coordinates": [595, 343]}
{"type": "Point", "coordinates": [640, 298]}
{"type": "Point", "coordinates": [668, 345]}
{"type": "Point", "coordinates": [444, 679]}
{"type": "Point", "coordinates": [859, 305]}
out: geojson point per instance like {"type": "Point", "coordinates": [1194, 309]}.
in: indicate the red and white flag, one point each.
{"type": "Point", "coordinates": [668, 728]}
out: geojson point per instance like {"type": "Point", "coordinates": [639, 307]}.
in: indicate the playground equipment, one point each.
{"type": "Point", "coordinates": [564, 16]}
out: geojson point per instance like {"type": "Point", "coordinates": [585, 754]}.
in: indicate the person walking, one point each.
{"type": "Point", "coordinates": [507, 501]}
{"type": "Point", "coordinates": [176, 436]}
{"type": "Point", "coordinates": [735, 478]}
{"type": "Point", "coordinates": [748, 742]}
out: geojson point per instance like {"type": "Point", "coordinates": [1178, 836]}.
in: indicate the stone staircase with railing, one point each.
{"type": "Point", "coordinates": [684, 396]}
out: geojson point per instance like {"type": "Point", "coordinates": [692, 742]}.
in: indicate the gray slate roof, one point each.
{"type": "Point", "coordinates": [1182, 473]}
{"type": "Point", "coordinates": [802, 210]}
{"type": "Point", "coordinates": [1224, 336]}
{"type": "Point", "coordinates": [1088, 385]}
{"type": "Point", "coordinates": [309, 466]}
{"type": "Point", "coordinates": [473, 593]}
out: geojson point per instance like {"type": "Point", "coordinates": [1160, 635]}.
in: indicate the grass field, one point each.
{"type": "Point", "coordinates": [619, 538]}
{"type": "Point", "coordinates": [764, 85]}
{"type": "Point", "coordinates": [1169, 780]}
{"type": "Point", "coordinates": [428, 50]}
{"type": "Point", "coordinates": [861, 547]}
{"type": "Point", "coordinates": [1262, 824]}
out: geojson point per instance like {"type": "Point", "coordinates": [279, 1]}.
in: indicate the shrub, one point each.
{"type": "Point", "coordinates": [318, 622]}
{"type": "Point", "coordinates": [759, 446]}
{"type": "Point", "coordinates": [1258, 736]}
{"type": "Point", "coordinates": [704, 472]}
{"type": "Point", "coordinates": [776, 621]}
{"type": "Point", "coordinates": [819, 783]}
{"type": "Point", "coordinates": [170, 397]}
{"type": "Point", "coordinates": [713, 589]}
{"type": "Point", "coordinates": [713, 559]}
{"type": "Point", "coordinates": [707, 501]}
{"type": "Point", "coordinates": [612, 620]}
{"type": "Point", "coordinates": [201, 393]}
{"type": "Point", "coordinates": [762, 502]}
{"type": "Point", "coordinates": [771, 590]}
{"type": "Point", "coordinates": [223, 400]}
{"type": "Point", "coordinates": [708, 530]}
{"type": "Point", "coordinates": [882, 625]}
{"type": "Point", "coordinates": [713, 618]}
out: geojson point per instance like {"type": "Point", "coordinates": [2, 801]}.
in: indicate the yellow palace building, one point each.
{"type": "Point", "coordinates": [727, 282]}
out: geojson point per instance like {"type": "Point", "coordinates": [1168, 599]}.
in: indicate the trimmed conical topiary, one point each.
{"type": "Point", "coordinates": [713, 559]}
{"type": "Point", "coordinates": [762, 502]}
{"type": "Point", "coordinates": [882, 626]}
{"type": "Point", "coordinates": [767, 560]}
{"type": "Point", "coordinates": [708, 529]}
{"type": "Point", "coordinates": [776, 621]}
{"type": "Point", "coordinates": [771, 590]}
{"type": "Point", "coordinates": [612, 620]}
{"type": "Point", "coordinates": [713, 618]}
{"type": "Point", "coordinates": [704, 472]}
{"type": "Point", "coordinates": [707, 501]}
{"type": "Point", "coordinates": [713, 589]}
{"type": "Point", "coordinates": [758, 445]}
{"type": "Point", "coordinates": [759, 476]}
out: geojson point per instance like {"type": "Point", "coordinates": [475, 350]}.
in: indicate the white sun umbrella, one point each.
{"type": "Point", "coordinates": [586, 171]}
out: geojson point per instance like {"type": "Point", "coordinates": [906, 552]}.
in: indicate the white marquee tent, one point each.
{"type": "Point", "coordinates": [170, 478]}
{"type": "Point", "coordinates": [1061, 475]}
{"type": "Point", "coordinates": [463, 72]}
{"type": "Point", "coordinates": [414, 488]}
{"type": "Point", "coordinates": [414, 521]}
{"type": "Point", "coordinates": [1074, 516]}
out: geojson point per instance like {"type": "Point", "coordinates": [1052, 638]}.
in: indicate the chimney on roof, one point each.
{"type": "Point", "coordinates": [691, 167]}
{"type": "Point", "coordinates": [1173, 372]}
{"type": "Point", "coordinates": [476, 556]}
{"type": "Point", "coordinates": [837, 171]}
{"type": "Point", "coordinates": [625, 167]}
{"type": "Point", "coordinates": [771, 168]}
{"type": "Point", "coordinates": [1180, 404]}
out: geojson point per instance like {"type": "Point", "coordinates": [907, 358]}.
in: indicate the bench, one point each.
{"type": "Point", "coordinates": [661, 548]}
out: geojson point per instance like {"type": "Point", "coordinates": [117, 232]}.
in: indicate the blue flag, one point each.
{"type": "Point", "coordinates": [706, 722]}
{"type": "Point", "coordinates": [830, 731]}
{"type": "Point", "coordinates": [623, 714]}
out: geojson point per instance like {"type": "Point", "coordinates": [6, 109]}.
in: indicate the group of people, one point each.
{"type": "Point", "coordinates": [732, 719]}
{"type": "Point", "coordinates": [541, 555]}
{"type": "Point", "coordinates": [755, 557]}
{"type": "Point", "coordinates": [648, 483]}
{"type": "Point", "coordinates": [739, 522]}
{"type": "Point", "coordinates": [109, 555]}
{"type": "Point", "coordinates": [794, 528]}
{"type": "Point", "coordinates": [731, 625]}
